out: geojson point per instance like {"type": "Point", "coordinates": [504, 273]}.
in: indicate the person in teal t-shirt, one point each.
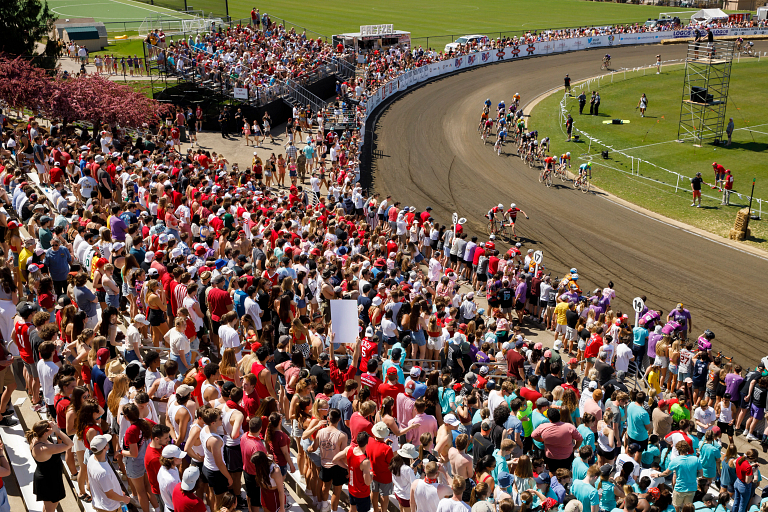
{"type": "Point", "coordinates": [638, 421]}
{"type": "Point", "coordinates": [585, 491]}
{"type": "Point", "coordinates": [686, 468]}
{"type": "Point", "coordinates": [709, 456]}
{"type": "Point", "coordinates": [651, 453]}
{"type": "Point", "coordinates": [539, 417]}
{"type": "Point", "coordinates": [606, 488]}
{"type": "Point", "coordinates": [587, 434]}
{"type": "Point", "coordinates": [580, 464]}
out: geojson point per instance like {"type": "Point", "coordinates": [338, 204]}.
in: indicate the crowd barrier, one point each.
{"type": "Point", "coordinates": [417, 75]}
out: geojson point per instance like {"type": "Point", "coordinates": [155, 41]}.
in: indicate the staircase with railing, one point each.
{"type": "Point", "coordinates": [224, 80]}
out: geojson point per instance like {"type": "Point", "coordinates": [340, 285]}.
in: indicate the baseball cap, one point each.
{"type": "Point", "coordinates": [415, 372]}
{"type": "Point", "coordinates": [98, 443]}
{"type": "Point", "coordinates": [391, 370]}
{"type": "Point", "coordinates": [102, 356]}
{"type": "Point", "coordinates": [542, 402]}
{"type": "Point", "coordinates": [184, 390]}
{"type": "Point", "coordinates": [573, 360]}
{"type": "Point", "coordinates": [451, 420]}
{"type": "Point", "coordinates": [410, 385]}
{"type": "Point", "coordinates": [189, 479]}
{"type": "Point", "coordinates": [172, 451]}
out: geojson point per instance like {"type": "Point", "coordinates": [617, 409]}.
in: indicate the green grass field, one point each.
{"type": "Point", "coordinates": [653, 138]}
{"type": "Point", "coordinates": [446, 18]}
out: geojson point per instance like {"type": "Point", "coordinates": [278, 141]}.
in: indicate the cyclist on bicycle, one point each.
{"type": "Point", "coordinates": [512, 214]}
{"type": "Point", "coordinates": [488, 103]}
{"type": "Point", "coordinates": [516, 98]}
{"type": "Point", "coordinates": [492, 214]}
{"type": "Point", "coordinates": [483, 118]}
{"type": "Point", "coordinates": [488, 126]}
{"type": "Point", "coordinates": [739, 42]}
{"type": "Point", "coordinates": [565, 159]}
{"type": "Point", "coordinates": [545, 144]}
{"type": "Point", "coordinates": [607, 58]}
{"type": "Point", "coordinates": [521, 126]}
{"type": "Point", "coordinates": [549, 163]}
{"type": "Point", "coordinates": [584, 170]}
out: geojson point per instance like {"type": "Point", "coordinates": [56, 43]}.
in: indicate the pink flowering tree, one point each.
{"type": "Point", "coordinates": [23, 85]}
{"type": "Point", "coordinates": [102, 102]}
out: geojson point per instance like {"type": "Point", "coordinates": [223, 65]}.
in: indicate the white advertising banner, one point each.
{"type": "Point", "coordinates": [435, 69]}
{"type": "Point", "coordinates": [241, 93]}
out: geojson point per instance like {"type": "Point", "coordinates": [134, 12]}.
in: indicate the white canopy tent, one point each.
{"type": "Point", "coordinates": [707, 15]}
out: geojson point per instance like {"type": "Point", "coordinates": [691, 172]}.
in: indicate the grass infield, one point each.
{"type": "Point", "coordinates": [653, 139]}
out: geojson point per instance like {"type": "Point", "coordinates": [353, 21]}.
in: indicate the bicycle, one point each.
{"type": "Point", "coordinates": [545, 177]}
{"type": "Point", "coordinates": [496, 226]}
{"type": "Point", "coordinates": [560, 172]}
{"type": "Point", "coordinates": [582, 182]}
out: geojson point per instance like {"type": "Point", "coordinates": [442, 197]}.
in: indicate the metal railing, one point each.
{"type": "Point", "coordinates": [297, 94]}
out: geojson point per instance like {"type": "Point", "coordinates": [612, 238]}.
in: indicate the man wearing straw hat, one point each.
{"type": "Point", "coordinates": [380, 455]}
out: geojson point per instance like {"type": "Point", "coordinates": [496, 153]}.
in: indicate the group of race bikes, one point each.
{"type": "Point", "coordinates": [529, 148]}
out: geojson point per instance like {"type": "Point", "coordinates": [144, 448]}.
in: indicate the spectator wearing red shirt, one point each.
{"type": "Point", "coordinates": [425, 215]}
{"type": "Point", "coordinates": [516, 362]}
{"type": "Point", "coordinates": [21, 337]}
{"type": "Point", "coordinates": [219, 303]}
{"type": "Point", "coordinates": [593, 348]}
{"type": "Point", "coordinates": [341, 373]}
{"type": "Point", "coordinates": [380, 454]}
{"type": "Point", "coordinates": [184, 496]}
{"type": "Point", "coordinates": [529, 392]}
{"type": "Point", "coordinates": [57, 173]}
{"type": "Point", "coordinates": [391, 388]}
{"type": "Point", "coordinates": [361, 421]}
{"type": "Point", "coordinates": [160, 438]}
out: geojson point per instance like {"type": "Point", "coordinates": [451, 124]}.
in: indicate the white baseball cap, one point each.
{"type": "Point", "coordinates": [172, 451]}
{"type": "Point", "coordinates": [189, 479]}
{"type": "Point", "coordinates": [98, 443]}
{"type": "Point", "coordinates": [140, 319]}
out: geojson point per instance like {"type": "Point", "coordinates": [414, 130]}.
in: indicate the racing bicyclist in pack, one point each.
{"type": "Point", "coordinates": [565, 160]}
{"type": "Point", "coordinates": [483, 118]}
{"type": "Point", "coordinates": [585, 169]}
{"type": "Point", "coordinates": [739, 42]}
{"type": "Point", "coordinates": [487, 129]}
{"type": "Point", "coordinates": [549, 163]}
{"type": "Point", "coordinates": [501, 108]}
{"type": "Point", "coordinates": [516, 99]}
{"type": "Point", "coordinates": [500, 136]}
{"type": "Point", "coordinates": [512, 214]}
{"type": "Point", "coordinates": [544, 144]}
{"type": "Point", "coordinates": [488, 103]}
{"type": "Point", "coordinates": [606, 61]}
{"type": "Point", "coordinates": [502, 123]}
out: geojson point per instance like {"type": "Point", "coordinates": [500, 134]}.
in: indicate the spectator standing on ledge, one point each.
{"type": "Point", "coordinates": [567, 82]}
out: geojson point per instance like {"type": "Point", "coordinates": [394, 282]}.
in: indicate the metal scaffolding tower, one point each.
{"type": "Point", "coordinates": [705, 92]}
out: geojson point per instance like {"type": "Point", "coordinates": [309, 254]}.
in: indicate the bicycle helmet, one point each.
{"type": "Point", "coordinates": [512, 205]}
{"type": "Point", "coordinates": [568, 154]}
{"type": "Point", "coordinates": [709, 334]}
{"type": "Point", "coordinates": [589, 164]}
{"type": "Point", "coordinates": [501, 205]}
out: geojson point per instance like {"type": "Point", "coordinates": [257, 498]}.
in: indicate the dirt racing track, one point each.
{"type": "Point", "coordinates": [426, 152]}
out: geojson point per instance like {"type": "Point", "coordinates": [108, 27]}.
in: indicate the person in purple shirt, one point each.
{"type": "Point", "coordinates": [569, 296]}
{"type": "Point", "coordinates": [520, 292]}
{"type": "Point", "coordinates": [117, 225]}
{"type": "Point", "coordinates": [683, 317]}
{"type": "Point", "coordinates": [653, 339]}
{"type": "Point", "coordinates": [733, 381]}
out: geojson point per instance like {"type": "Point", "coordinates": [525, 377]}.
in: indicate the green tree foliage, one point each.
{"type": "Point", "coordinates": [24, 23]}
